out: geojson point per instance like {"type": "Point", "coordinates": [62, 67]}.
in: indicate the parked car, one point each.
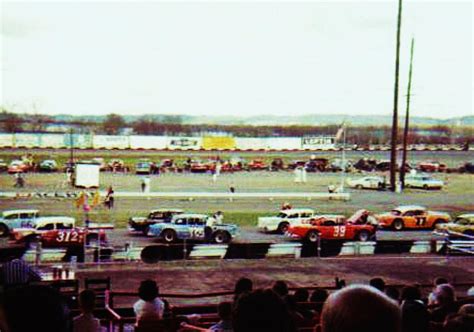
{"type": "Point", "coordinates": [317, 165]}
{"type": "Point", "coordinates": [192, 227]}
{"type": "Point", "coordinates": [48, 166]}
{"type": "Point", "coordinates": [198, 166]}
{"type": "Point", "coordinates": [412, 217]}
{"type": "Point", "coordinates": [284, 219]}
{"type": "Point", "coordinates": [467, 167]}
{"type": "Point", "coordinates": [117, 165]}
{"type": "Point", "coordinates": [11, 219]}
{"type": "Point", "coordinates": [431, 166]}
{"type": "Point", "coordinates": [463, 224]}
{"type": "Point", "coordinates": [144, 166]}
{"type": "Point", "coordinates": [423, 181]}
{"type": "Point", "coordinates": [17, 166]}
{"type": "Point", "coordinates": [365, 164]}
{"type": "Point", "coordinates": [142, 224]}
{"type": "Point", "coordinates": [257, 165]}
{"type": "Point", "coordinates": [358, 227]}
{"type": "Point", "coordinates": [277, 165]}
{"type": "Point", "coordinates": [367, 182]}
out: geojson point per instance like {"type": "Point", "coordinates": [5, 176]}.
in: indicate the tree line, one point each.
{"type": "Point", "coordinates": [114, 124]}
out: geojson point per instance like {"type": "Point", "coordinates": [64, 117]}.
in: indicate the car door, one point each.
{"type": "Point", "coordinates": [409, 219]}
{"type": "Point", "coordinates": [13, 221]}
{"type": "Point", "coordinates": [197, 228]}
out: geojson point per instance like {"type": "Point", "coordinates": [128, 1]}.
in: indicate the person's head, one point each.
{"type": "Point", "coordinates": [243, 285]}
{"type": "Point", "coordinates": [456, 323]}
{"type": "Point", "coordinates": [224, 309]}
{"type": "Point", "coordinates": [261, 311]}
{"type": "Point", "coordinates": [148, 290]}
{"type": "Point", "coordinates": [87, 300]}
{"type": "Point", "coordinates": [415, 317]}
{"type": "Point", "coordinates": [301, 295]}
{"type": "Point", "coordinates": [280, 287]}
{"type": "Point", "coordinates": [440, 281]}
{"type": "Point", "coordinates": [444, 295]}
{"type": "Point", "coordinates": [360, 308]}
{"type": "Point", "coordinates": [410, 293]}
{"type": "Point", "coordinates": [393, 293]}
{"type": "Point", "coordinates": [378, 283]}
{"type": "Point", "coordinates": [32, 308]}
{"type": "Point", "coordinates": [319, 295]}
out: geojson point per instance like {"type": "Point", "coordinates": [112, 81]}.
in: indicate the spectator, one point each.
{"type": "Point", "coordinates": [360, 308]}
{"type": "Point", "coordinates": [219, 217]}
{"type": "Point", "coordinates": [415, 316]}
{"type": "Point", "coordinates": [86, 322]}
{"type": "Point", "coordinates": [319, 296]}
{"type": "Point", "coordinates": [261, 311]}
{"type": "Point", "coordinates": [18, 272]}
{"type": "Point", "coordinates": [149, 307]}
{"type": "Point", "coordinates": [378, 283]}
{"type": "Point", "coordinates": [410, 293]}
{"type": "Point", "coordinates": [109, 198]}
{"type": "Point", "coordinates": [281, 288]}
{"type": "Point", "coordinates": [444, 302]}
{"type": "Point", "coordinates": [301, 295]}
{"type": "Point", "coordinates": [32, 308]}
{"type": "Point", "coordinates": [242, 286]}
{"type": "Point", "coordinates": [224, 309]}
{"type": "Point", "coordinates": [436, 282]}
{"type": "Point", "coordinates": [456, 323]}
{"type": "Point", "coordinates": [467, 314]}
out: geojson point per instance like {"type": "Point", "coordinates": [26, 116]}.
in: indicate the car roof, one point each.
{"type": "Point", "coordinates": [469, 216]}
{"type": "Point", "coordinates": [190, 215]}
{"type": "Point", "coordinates": [47, 220]}
{"type": "Point", "coordinates": [10, 212]}
{"type": "Point", "coordinates": [298, 210]}
{"type": "Point", "coordinates": [166, 210]}
{"type": "Point", "coordinates": [404, 208]}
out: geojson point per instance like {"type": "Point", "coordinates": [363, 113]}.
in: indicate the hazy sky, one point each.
{"type": "Point", "coordinates": [234, 58]}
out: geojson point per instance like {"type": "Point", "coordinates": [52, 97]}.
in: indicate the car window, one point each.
{"type": "Point", "coordinates": [200, 221]}
{"type": "Point", "coordinates": [409, 214]}
{"type": "Point", "coordinates": [292, 216]}
{"type": "Point", "coordinates": [46, 227]}
{"type": "Point", "coordinates": [418, 213]}
{"type": "Point", "coordinates": [396, 213]}
{"type": "Point", "coordinates": [157, 215]}
{"type": "Point", "coordinates": [61, 225]}
{"type": "Point", "coordinates": [180, 221]}
{"type": "Point", "coordinates": [281, 215]}
{"type": "Point", "coordinates": [12, 216]}
{"type": "Point", "coordinates": [305, 215]}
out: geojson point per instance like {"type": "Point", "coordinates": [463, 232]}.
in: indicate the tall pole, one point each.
{"type": "Point", "coordinates": [407, 118]}
{"type": "Point", "coordinates": [393, 152]}
{"type": "Point", "coordinates": [71, 142]}
{"type": "Point", "coordinates": [343, 162]}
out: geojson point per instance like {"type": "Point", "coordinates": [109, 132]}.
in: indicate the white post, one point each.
{"type": "Point", "coordinates": [343, 161]}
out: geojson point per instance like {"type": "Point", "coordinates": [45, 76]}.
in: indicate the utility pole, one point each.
{"type": "Point", "coordinates": [71, 143]}
{"type": "Point", "coordinates": [407, 118]}
{"type": "Point", "coordinates": [393, 152]}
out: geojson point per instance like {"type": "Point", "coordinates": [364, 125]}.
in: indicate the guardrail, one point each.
{"type": "Point", "coordinates": [457, 243]}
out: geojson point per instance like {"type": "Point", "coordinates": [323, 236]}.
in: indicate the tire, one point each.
{"type": "Point", "coordinates": [145, 230]}
{"type": "Point", "coordinates": [397, 224]}
{"type": "Point", "coordinates": [3, 230]}
{"type": "Point", "coordinates": [359, 186]}
{"type": "Point", "coordinates": [312, 237]}
{"type": "Point", "coordinates": [168, 236]}
{"type": "Point", "coordinates": [363, 236]}
{"type": "Point", "coordinates": [425, 187]}
{"type": "Point", "coordinates": [221, 237]}
{"type": "Point", "coordinates": [283, 227]}
{"type": "Point", "coordinates": [438, 222]}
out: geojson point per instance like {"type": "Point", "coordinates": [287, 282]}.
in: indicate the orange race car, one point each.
{"type": "Point", "coordinates": [359, 227]}
{"type": "Point", "coordinates": [412, 216]}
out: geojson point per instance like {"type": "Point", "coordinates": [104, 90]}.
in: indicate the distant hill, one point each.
{"type": "Point", "coordinates": [263, 120]}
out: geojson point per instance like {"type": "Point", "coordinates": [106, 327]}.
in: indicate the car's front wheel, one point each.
{"type": "Point", "coordinates": [169, 235]}
{"type": "Point", "coordinates": [363, 236]}
{"type": "Point", "coordinates": [397, 224]}
{"type": "Point", "coordinates": [312, 236]}
{"type": "Point", "coordinates": [221, 237]}
{"type": "Point", "coordinates": [359, 186]}
{"type": "Point", "coordinates": [283, 227]}
{"type": "Point", "coordinates": [3, 230]}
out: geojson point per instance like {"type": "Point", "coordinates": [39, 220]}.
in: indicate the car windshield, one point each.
{"type": "Point", "coordinates": [282, 215]}
{"type": "Point", "coordinates": [462, 221]}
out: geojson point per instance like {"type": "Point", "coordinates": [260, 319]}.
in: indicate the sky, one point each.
{"type": "Point", "coordinates": [234, 58]}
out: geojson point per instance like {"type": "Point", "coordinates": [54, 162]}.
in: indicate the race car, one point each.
{"type": "Point", "coordinates": [432, 166]}
{"type": "Point", "coordinates": [284, 219]}
{"type": "Point", "coordinates": [367, 182]}
{"type": "Point", "coordinates": [423, 181]}
{"type": "Point", "coordinates": [359, 227]}
{"type": "Point", "coordinates": [142, 224]}
{"type": "Point", "coordinates": [48, 166]}
{"type": "Point", "coordinates": [11, 219]}
{"type": "Point", "coordinates": [18, 166]}
{"type": "Point", "coordinates": [257, 165]}
{"type": "Point", "coordinates": [412, 217]}
{"type": "Point", "coordinates": [463, 224]}
{"type": "Point", "coordinates": [193, 227]}
{"type": "Point", "coordinates": [54, 232]}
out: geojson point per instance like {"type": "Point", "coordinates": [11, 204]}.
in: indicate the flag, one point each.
{"type": "Point", "coordinates": [95, 199]}
{"type": "Point", "coordinates": [81, 199]}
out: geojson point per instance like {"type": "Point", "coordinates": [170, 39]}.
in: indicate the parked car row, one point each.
{"type": "Point", "coordinates": [415, 180]}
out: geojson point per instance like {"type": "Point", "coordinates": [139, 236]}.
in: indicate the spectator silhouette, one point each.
{"type": "Point", "coordinates": [32, 308]}
{"type": "Point", "coordinates": [301, 295]}
{"type": "Point", "coordinates": [444, 301]}
{"type": "Point", "coordinates": [86, 322]}
{"type": "Point", "coordinates": [378, 283]}
{"type": "Point", "coordinates": [281, 288]}
{"type": "Point", "coordinates": [18, 272]}
{"type": "Point", "coordinates": [319, 296]}
{"type": "Point", "coordinates": [262, 311]}
{"type": "Point", "coordinates": [242, 286]}
{"type": "Point", "coordinates": [224, 309]}
{"type": "Point", "coordinates": [393, 293]}
{"type": "Point", "coordinates": [149, 306]}
{"type": "Point", "coordinates": [360, 308]}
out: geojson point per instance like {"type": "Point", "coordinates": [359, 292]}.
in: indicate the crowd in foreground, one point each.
{"type": "Point", "coordinates": [373, 307]}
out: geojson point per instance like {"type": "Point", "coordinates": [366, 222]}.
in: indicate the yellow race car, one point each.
{"type": "Point", "coordinates": [463, 224]}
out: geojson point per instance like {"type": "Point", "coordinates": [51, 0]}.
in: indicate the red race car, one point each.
{"type": "Point", "coordinates": [361, 226]}
{"type": "Point", "coordinates": [52, 234]}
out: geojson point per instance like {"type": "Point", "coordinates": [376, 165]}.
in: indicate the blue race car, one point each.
{"type": "Point", "coordinates": [193, 227]}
